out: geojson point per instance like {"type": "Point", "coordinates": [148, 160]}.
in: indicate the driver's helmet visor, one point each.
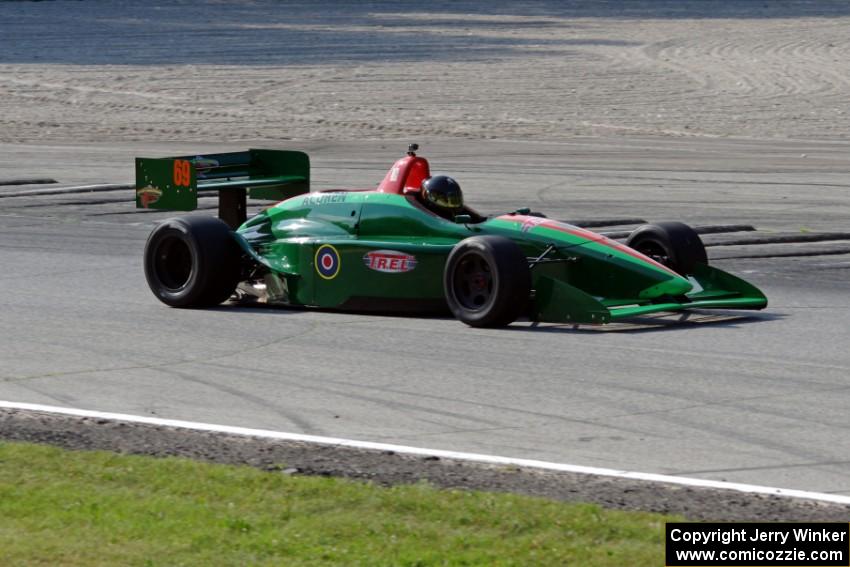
{"type": "Point", "coordinates": [446, 199]}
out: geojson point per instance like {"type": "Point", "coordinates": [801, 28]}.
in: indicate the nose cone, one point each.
{"type": "Point", "coordinates": [675, 285]}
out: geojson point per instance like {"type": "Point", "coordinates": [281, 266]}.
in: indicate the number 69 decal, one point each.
{"type": "Point", "coordinates": [182, 173]}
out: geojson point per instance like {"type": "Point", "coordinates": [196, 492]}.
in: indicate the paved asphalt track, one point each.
{"type": "Point", "coordinates": [759, 399]}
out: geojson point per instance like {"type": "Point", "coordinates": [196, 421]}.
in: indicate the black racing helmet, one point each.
{"type": "Point", "coordinates": [443, 192]}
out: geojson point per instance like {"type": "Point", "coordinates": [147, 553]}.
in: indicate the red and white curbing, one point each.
{"type": "Point", "coordinates": [403, 449]}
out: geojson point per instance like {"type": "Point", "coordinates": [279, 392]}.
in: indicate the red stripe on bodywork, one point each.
{"type": "Point", "coordinates": [586, 234]}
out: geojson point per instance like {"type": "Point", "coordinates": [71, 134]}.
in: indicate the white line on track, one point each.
{"type": "Point", "coordinates": [402, 449]}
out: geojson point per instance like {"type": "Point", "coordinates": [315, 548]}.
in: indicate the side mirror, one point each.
{"type": "Point", "coordinates": [522, 211]}
{"type": "Point", "coordinates": [463, 219]}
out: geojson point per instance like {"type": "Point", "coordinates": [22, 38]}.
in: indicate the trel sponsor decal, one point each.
{"type": "Point", "coordinates": [389, 261]}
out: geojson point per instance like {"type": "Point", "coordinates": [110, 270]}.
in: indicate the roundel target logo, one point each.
{"type": "Point", "coordinates": [327, 261]}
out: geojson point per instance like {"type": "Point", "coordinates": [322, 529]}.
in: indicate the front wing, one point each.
{"type": "Point", "coordinates": [558, 302]}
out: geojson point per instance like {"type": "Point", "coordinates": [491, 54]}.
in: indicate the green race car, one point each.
{"type": "Point", "coordinates": [409, 245]}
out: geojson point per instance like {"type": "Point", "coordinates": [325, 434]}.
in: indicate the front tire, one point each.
{"type": "Point", "coordinates": [192, 262]}
{"type": "Point", "coordinates": [673, 244]}
{"type": "Point", "coordinates": [487, 281]}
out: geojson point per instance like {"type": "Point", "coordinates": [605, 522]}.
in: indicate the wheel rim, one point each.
{"type": "Point", "coordinates": [655, 251]}
{"type": "Point", "coordinates": [173, 263]}
{"type": "Point", "coordinates": [473, 282]}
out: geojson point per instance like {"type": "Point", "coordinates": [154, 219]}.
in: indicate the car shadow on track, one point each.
{"type": "Point", "coordinates": [648, 323]}
{"type": "Point", "coordinates": [658, 322]}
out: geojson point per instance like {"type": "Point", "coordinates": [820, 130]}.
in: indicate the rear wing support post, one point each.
{"type": "Point", "coordinates": [233, 207]}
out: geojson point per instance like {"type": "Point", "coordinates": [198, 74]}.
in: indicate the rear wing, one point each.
{"type": "Point", "coordinates": [174, 183]}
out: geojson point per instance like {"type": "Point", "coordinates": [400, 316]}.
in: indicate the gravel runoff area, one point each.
{"type": "Point", "coordinates": [205, 70]}
{"type": "Point", "coordinates": [389, 468]}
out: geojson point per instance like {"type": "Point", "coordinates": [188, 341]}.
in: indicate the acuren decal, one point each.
{"type": "Point", "coordinates": [327, 261]}
{"type": "Point", "coordinates": [321, 199]}
{"type": "Point", "coordinates": [389, 261]}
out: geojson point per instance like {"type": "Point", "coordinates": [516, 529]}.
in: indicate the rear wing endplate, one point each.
{"type": "Point", "coordinates": [175, 183]}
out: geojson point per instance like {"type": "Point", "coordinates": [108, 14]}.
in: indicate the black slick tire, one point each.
{"type": "Point", "coordinates": [192, 262]}
{"type": "Point", "coordinates": [673, 244]}
{"type": "Point", "coordinates": [487, 281]}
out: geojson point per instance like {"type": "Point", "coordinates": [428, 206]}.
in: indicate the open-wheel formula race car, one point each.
{"type": "Point", "coordinates": [408, 245]}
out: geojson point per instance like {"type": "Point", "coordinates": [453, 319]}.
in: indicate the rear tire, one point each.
{"type": "Point", "coordinates": [192, 262]}
{"type": "Point", "coordinates": [487, 281]}
{"type": "Point", "coordinates": [673, 244]}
